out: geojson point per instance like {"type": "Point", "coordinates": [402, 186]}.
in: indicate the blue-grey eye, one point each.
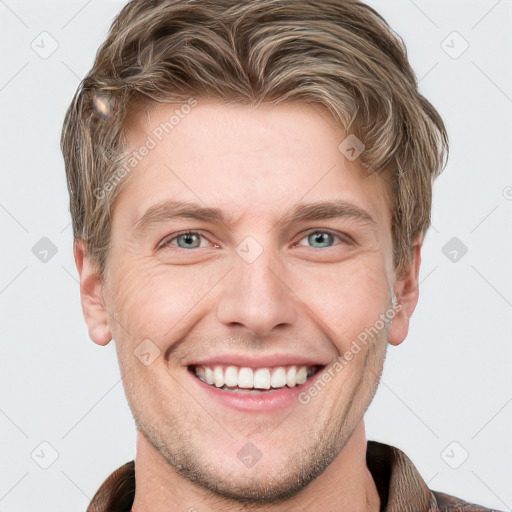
{"type": "Point", "coordinates": [322, 238]}
{"type": "Point", "coordinates": [190, 241]}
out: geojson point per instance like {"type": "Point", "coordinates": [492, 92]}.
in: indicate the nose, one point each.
{"type": "Point", "coordinates": [256, 297]}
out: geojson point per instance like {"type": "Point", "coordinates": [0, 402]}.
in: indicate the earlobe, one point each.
{"type": "Point", "coordinates": [407, 293]}
{"type": "Point", "coordinates": [91, 296]}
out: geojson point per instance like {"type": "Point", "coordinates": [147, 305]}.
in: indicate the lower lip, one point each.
{"type": "Point", "coordinates": [267, 401]}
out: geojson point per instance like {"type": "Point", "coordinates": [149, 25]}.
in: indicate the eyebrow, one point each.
{"type": "Point", "coordinates": [325, 210]}
{"type": "Point", "coordinates": [169, 210]}
{"type": "Point", "coordinates": [166, 211]}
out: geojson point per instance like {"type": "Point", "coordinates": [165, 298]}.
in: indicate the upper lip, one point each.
{"type": "Point", "coordinates": [261, 361]}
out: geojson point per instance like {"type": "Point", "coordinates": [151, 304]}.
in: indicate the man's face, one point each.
{"type": "Point", "coordinates": [260, 288]}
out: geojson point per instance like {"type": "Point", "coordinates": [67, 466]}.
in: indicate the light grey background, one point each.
{"type": "Point", "coordinates": [446, 392]}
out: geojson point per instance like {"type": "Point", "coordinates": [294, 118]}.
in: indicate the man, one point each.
{"type": "Point", "coordinates": [250, 188]}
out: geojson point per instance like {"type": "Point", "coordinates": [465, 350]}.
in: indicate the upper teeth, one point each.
{"type": "Point", "coordinates": [260, 378]}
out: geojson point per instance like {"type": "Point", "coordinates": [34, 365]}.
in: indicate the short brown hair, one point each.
{"type": "Point", "coordinates": [337, 53]}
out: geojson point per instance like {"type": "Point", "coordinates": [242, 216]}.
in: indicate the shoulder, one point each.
{"type": "Point", "coordinates": [401, 486]}
{"type": "Point", "coordinates": [448, 503]}
{"type": "Point", "coordinates": [117, 492]}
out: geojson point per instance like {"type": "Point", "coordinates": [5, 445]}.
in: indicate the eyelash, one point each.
{"type": "Point", "coordinates": [344, 238]}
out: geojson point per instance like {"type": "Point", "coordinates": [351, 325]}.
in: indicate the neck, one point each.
{"type": "Point", "coordinates": [346, 485]}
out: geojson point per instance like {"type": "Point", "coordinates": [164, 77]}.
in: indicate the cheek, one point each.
{"type": "Point", "coordinates": [158, 301]}
{"type": "Point", "coordinates": [346, 298]}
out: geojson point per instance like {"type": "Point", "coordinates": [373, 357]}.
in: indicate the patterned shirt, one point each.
{"type": "Point", "coordinates": [400, 486]}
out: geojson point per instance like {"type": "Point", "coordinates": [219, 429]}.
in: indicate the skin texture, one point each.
{"type": "Point", "coordinates": [300, 296]}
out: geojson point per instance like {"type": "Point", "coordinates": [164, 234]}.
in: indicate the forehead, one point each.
{"type": "Point", "coordinates": [242, 159]}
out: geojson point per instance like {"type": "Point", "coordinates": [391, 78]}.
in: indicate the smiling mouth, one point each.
{"type": "Point", "coordinates": [254, 380]}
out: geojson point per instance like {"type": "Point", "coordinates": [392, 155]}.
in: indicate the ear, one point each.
{"type": "Point", "coordinates": [407, 293]}
{"type": "Point", "coordinates": [91, 295]}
